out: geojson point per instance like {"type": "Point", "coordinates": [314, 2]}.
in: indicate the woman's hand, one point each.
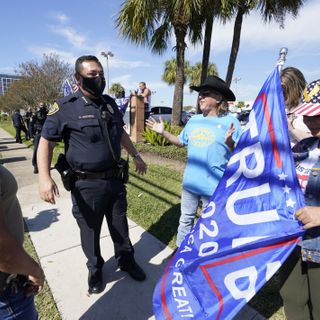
{"type": "Point", "coordinates": [158, 127]}
{"type": "Point", "coordinates": [228, 138]}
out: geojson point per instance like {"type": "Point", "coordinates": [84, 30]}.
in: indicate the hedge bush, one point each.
{"type": "Point", "coordinates": [169, 152]}
{"type": "Point", "coordinates": [158, 140]}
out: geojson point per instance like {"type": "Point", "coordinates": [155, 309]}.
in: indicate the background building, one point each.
{"type": "Point", "coordinates": [5, 82]}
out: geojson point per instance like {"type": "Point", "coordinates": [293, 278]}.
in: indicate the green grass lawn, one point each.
{"type": "Point", "coordinates": [154, 204]}
{"type": "Point", "coordinates": [45, 303]}
{"type": "Point", "coordinates": [154, 201]}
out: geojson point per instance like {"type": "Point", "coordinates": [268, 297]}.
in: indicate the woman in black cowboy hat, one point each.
{"type": "Point", "coordinates": [210, 138]}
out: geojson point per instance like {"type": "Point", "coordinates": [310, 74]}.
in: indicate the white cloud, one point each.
{"type": "Point", "coordinates": [257, 35]}
{"type": "Point", "coordinates": [39, 51]}
{"type": "Point", "coordinates": [296, 33]}
{"type": "Point", "coordinates": [117, 63]}
{"type": "Point", "coordinates": [70, 34]}
{"type": "Point", "coordinates": [61, 17]}
{"type": "Point", "coordinates": [125, 80]}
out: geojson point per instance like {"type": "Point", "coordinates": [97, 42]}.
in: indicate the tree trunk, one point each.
{"type": "Point", "coordinates": [180, 33]}
{"type": "Point", "coordinates": [206, 48]}
{"type": "Point", "coordinates": [235, 45]}
{"type": "Point", "coordinates": [206, 53]}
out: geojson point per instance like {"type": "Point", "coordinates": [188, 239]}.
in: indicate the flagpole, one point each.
{"type": "Point", "coordinates": [282, 58]}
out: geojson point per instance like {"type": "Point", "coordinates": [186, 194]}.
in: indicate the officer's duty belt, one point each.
{"type": "Point", "coordinates": [112, 173]}
{"type": "Point", "coordinates": [14, 281]}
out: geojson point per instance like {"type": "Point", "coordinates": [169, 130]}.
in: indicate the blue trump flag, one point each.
{"type": "Point", "coordinates": [122, 104]}
{"type": "Point", "coordinates": [248, 228]}
{"type": "Point", "coordinates": [67, 89]}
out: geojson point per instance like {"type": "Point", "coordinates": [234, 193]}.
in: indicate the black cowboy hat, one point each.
{"type": "Point", "coordinates": [217, 84]}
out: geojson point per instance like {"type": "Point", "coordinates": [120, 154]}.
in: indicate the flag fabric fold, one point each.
{"type": "Point", "coordinates": [248, 228]}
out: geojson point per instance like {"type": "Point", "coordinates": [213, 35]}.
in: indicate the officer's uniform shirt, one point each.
{"type": "Point", "coordinates": [17, 120]}
{"type": "Point", "coordinates": [39, 119]}
{"type": "Point", "coordinates": [77, 120]}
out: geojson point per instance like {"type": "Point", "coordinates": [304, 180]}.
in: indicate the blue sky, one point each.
{"type": "Point", "coordinates": [73, 28]}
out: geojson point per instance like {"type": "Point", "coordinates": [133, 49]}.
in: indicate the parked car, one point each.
{"type": "Point", "coordinates": [165, 113]}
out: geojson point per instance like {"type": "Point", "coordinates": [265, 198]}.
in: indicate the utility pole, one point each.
{"type": "Point", "coordinates": [107, 55]}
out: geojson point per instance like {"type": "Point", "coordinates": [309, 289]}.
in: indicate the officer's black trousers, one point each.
{"type": "Point", "coordinates": [92, 200]}
{"type": "Point", "coordinates": [18, 133]}
{"type": "Point", "coordinates": [35, 148]}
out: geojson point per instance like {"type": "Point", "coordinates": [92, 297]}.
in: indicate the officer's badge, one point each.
{"type": "Point", "coordinates": [53, 109]}
{"type": "Point", "coordinates": [110, 109]}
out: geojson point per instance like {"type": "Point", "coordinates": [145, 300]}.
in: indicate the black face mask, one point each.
{"type": "Point", "coordinates": [95, 85]}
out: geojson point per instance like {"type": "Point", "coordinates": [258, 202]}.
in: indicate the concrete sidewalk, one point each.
{"type": "Point", "coordinates": [56, 238]}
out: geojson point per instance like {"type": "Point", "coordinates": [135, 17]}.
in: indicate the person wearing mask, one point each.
{"type": "Point", "coordinates": [301, 271]}
{"type": "Point", "coordinates": [90, 124]}
{"type": "Point", "coordinates": [210, 138]}
{"type": "Point", "coordinates": [20, 276]}
{"type": "Point", "coordinates": [37, 123]}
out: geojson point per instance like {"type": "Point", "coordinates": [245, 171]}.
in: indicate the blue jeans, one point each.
{"type": "Point", "coordinates": [189, 206]}
{"type": "Point", "coordinates": [15, 305]}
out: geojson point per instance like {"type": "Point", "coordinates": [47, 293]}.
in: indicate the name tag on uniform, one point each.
{"type": "Point", "coordinates": [87, 116]}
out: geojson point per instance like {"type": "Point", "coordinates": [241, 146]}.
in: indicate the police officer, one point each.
{"type": "Point", "coordinates": [37, 122]}
{"type": "Point", "coordinates": [27, 119]}
{"type": "Point", "coordinates": [91, 127]}
{"type": "Point", "coordinates": [18, 124]}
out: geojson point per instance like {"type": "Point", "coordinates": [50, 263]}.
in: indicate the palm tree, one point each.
{"type": "Point", "coordinates": [152, 22]}
{"type": "Point", "coordinates": [170, 67]}
{"type": "Point", "coordinates": [195, 74]}
{"type": "Point", "coordinates": [206, 47]}
{"type": "Point", "coordinates": [116, 89]}
{"type": "Point", "coordinates": [269, 9]}
{"type": "Point", "coordinates": [211, 10]}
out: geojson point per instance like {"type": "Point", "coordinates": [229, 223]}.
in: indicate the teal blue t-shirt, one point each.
{"type": "Point", "coordinates": [208, 155]}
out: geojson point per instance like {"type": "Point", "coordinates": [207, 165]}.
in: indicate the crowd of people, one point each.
{"type": "Point", "coordinates": [97, 184]}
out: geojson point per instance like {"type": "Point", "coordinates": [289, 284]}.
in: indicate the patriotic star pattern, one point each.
{"type": "Point", "coordinates": [310, 101]}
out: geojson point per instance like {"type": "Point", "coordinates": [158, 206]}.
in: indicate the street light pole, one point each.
{"type": "Point", "coordinates": [236, 80]}
{"type": "Point", "coordinates": [107, 55]}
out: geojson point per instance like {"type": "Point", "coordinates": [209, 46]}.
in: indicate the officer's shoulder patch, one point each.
{"type": "Point", "coordinates": [53, 109]}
